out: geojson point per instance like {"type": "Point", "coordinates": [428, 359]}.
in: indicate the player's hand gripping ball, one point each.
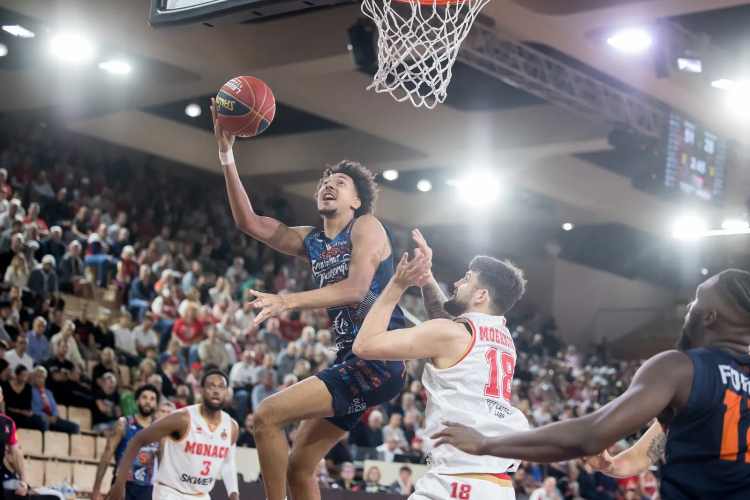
{"type": "Point", "coordinates": [245, 106]}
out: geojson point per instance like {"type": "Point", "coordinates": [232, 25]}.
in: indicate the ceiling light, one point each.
{"type": "Point", "coordinates": [735, 225]}
{"type": "Point", "coordinates": [738, 101]}
{"type": "Point", "coordinates": [689, 228]}
{"type": "Point", "coordinates": [3, 50]}
{"type": "Point", "coordinates": [632, 40]}
{"type": "Point", "coordinates": [193, 110]}
{"type": "Point", "coordinates": [71, 48]}
{"type": "Point", "coordinates": [704, 271]}
{"type": "Point", "coordinates": [690, 65]}
{"type": "Point", "coordinates": [567, 226]}
{"type": "Point", "coordinates": [726, 84]}
{"type": "Point", "coordinates": [19, 31]}
{"type": "Point", "coordinates": [424, 185]}
{"type": "Point", "coordinates": [480, 188]}
{"type": "Point", "coordinates": [116, 67]}
{"type": "Point", "coordinates": [390, 175]}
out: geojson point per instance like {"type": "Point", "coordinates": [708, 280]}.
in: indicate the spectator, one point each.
{"type": "Point", "coordinates": [237, 273]}
{"type": "Point", "coordinates": [394, 429]}
{"type": "Point", "coordinates": [65, 379]}
{"type": "Point", "coordinates": [240, 379]}
{"type": "Point", "coordinates": [247, 433]}
{"type": "Point", "coordinates": [212, 351]}
{"type": "Point", "coordinates": [193, 379]}
{"type": "Point", "coordinates": [388, 450]}
{"type": "Point", "coordinates": [287, 360]}
{"type": "Point", "coordinates": [80, 226]}
{"type": "Point", "coordinates": [402, 485]}
{"type": "Point", "coordinates": [346, 482]}
{"type": "Point", "coordinates": [289, 381]}
{"type": "Point", "coordinates": [4, 182]}
{"type": "Point", "coordinates": [16, 248]}
{"type": "Point", "coordinates": [106, 408]}
{"type": "Point", "coordinates": [19, 356]}
{"type": "Point", "coordinates": [162, 240]}
{"type": "Point", "coordinates": [169, 376]}
{"type": "Point", "coordinates": [7, 217]}
{"type": "Point", "coordinates": [7, 235]}
{"type": "Point", "coordinates": [193, 298]}
{"type": "Point", "coordinates": [190, 279]}
{"type": "Point", "coordinates": [17, 273]}
{"type": "Point", "coordinates": [7, 330]}
{"type": "Point", "coordinates": [244, 316]}
{"type": "Point", "coordinates": [165, 311]}
{"type": "Point", "coordinates": [125, 341]}
{"type": "Point", "coordinates": [173, 349]}
{"type": "Point", "coordinates": [371, 481]}
{"type": "Point", "coordinates": [370, 435]}
{"type": "Point", "coordinates": [271, 335]}
{"type": "Point", "coordinates": [113, 232]}
{"type": "Point", "coordinates": [33, 218]}
{"type": "Point", "coordinates": [52, 245]}
{"type": "Point", "coordinates": [126, 269]}
{"type": "Point", "coordinates": [265, 388]}
{"type": "Point", "coordinates": [145, 336]}
{"type": "Point", "coordinates": [38, 343]}
{"type": "Point", "coordinates": [41, 189]}
{"type": "Point", "coordinates": [523, 484]}
{"type": "Point", "coordinates": [142, 293]}
{"type": "Point", "coordinates": [145, 370]}
{"type": "Point", "coordinates": [189, 332]}
{"type": "Point", "coordinates": [122, 241]}
{"type": "Point", "coordinates": [66, 336]}
{"type": "Point", "coordinates": [43, 281]}
{"type": "Point", "coordinates": [107, 364]}
{"type": "Point", "coordinates": [44, 405]}
{"type": "Point", "coordinates": [71, 273]}
{"type": "Point", "coordinates": [548, 491]}
{"type": "Point", "coordinates": [98, 257]}
{"type": "Point", "coordinates": [17, 395]}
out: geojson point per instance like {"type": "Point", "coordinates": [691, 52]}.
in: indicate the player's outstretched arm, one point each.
{"type": "Point", "coordinates": [175, 424]}
{"type": "Point", "coordinates": [270, 231]}
{"type": "Point", "coordinates": [113, 441]}
{"type": "Point", "coordinates": [662, 382]}
{"type": "Point", "coordinates": [368, 240]}
{"type": "Point", "coordinates": [432, 295]}
{"type": "Point", "coordinates": [635, 459]}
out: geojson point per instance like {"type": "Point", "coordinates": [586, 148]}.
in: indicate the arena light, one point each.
{"type": "Point", "coordinates": [727, 84]}
{"type": "Point", "coordinates": [689, 228]}
{"type": "Point", "coordinates": [735, 225]}
{"type": "Point", "coordinates": [71, 48]}
{"type": "Point", "coordinates": [424, 185]}
{"type": "Point", "coordinates": [689, 65]}
{"type": "Point", "coordinates": [704, 271]}
{"type": "Point", "coordinates": [19, 31]}
{"type": "Point", "coordinates": [116, 67]}
{"type": "Point", "coordinates": [480, 188]}
{"type": "Point", "coordinates": [193, 110]}
{"type": "Point", "coordinates": [3, 50]}
{"type": "Point", "coordinates": [390, 175]}
{"type": "Point", "coordinates": [630, 40]}
{"type": "Point", "coordinates": [568, 226]}
{"type": "Point", "coordinates": [738, 100]}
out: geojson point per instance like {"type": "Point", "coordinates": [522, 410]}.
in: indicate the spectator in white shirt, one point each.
{"type": "Point", "coordinates": [144, 334]}
{"type": "Point", "coordinates": [245, 315]}
{"type": "Point", "coordinates": [548, 491]}
{"type": "Point", "coordinates": [7, 218]}
{"type": "Point", "coordinates": [19, 356]}
{"type": "Point", "coordinates": [236, 273]}
{"type": "Point", "coordinates": [66, 335]}
{"type": "Point", "coordinates": [388, 450]}
{"type": "Point", "coordinates": [240, 378]}
{"type": "Point", "coordinates": [125, 341]}
{"type": "Point", "coordinates": [114, 229]}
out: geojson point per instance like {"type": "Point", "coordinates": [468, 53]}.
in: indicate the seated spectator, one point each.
{"type": "Point", "coordinates": [287, 359]}
{"type": "Point", "coordinates": [33, 218]}
{"type": "Point", "coordinates": [244, 316]}
{"type": "Point", "coordinates": [164, 308]}
{"type": "Point", "coordinates": [103, 336]}
{"type": "Point", "coordinates": [237, 273]}
{"type": "Point", "coordinates": [107, 364]}
{"type": "Point", "coordinates": [52, 245]}
{"type": "Point", "coordinates": [370, 435]}
{"type": "Point", "coordinates": [118, 245]}
{"type": "Point", "coordinates": [346, 482]}
{"type": "Point", "coordinates": [169, 376]}
{"type": "Point", "coordinates": [43, 281]}
{"type": "Point", "coordinates": [247, 433]}
{"type": "Point", "coordinates": [66, 336]}
{"type": "Point", "coordinates": [173, 349]}
{"type": "Point", "coordinates": [31, 243]}
{"type": "Point", "coordinates": [98, 257]}
{"type": "Point", "coordinates": [127, 269]}
{"type": "Point", "coordinates": [80, 226]}
{"type": "Point", "coordinates": [183, 396]}
{"type": "Point", "coordinates": [190, 279]}
{"type": "Point", "coordinates": [222, 307]}
{"type": "Point", "coordinates": [6, 237]}
{"type": "Point", "coordinates": [162, 240]}
{"type": "Point", "coordinates": [17, 396]}
{"type": "Point", "coordinates": [17, 273]}
{"type": "Point", "coordinates": [240, 379]}
{"type": "Point", "coordinates": [402, 485]}
{"type": "Point", "coordinates": [388, 450]}
{"type": "Point", "coordinates": [221, 290]}
{"type": "Point", "coordinates": [7, 217]}
{"type": "Point", "coordinates": [302, 369]}
{"type": "Point", "coordinates": [212, 351]}
{"type": "Point", "coordinates": [394, 429]}
{"type": "Point", "coordinates": [41, 189]}
{"type": "Point", "coordinates": [145, 336]}
{"type": "Point", "coordinates": [19, 356]}
{"type": "Point", "coordinates": [125, 341]}
{"type": "Point", "coordinates": [65, 379]}
{"type": "Point", "coordinates": [271, 335]}
{"type": "Point", "coordinates": [44, 406]}
{"type": "Point", "coordinates": [265, 387]}
{"type": "Point", "coordinates": [38, 343]}
{"type": "Point", "coordinates": [371, 481]}
{"type": "Point", "coordinates": [338, 455]}
{"type": "Point", "coordinates": [193, 379]}
{"type": "Point", "coordinates": [113, 231]}
{"type": "Point", "coordinates": [142, 293]}
{"type": "Point", "coordinates": [189, 332]}
{"type": "Point", "coordinates": [71, 273]}
{"type": "Point", "coordinates": [288, 381]}
{"type": "Point", "coordinates": [524, 484]}
{"type": "Point", "coordinates": [7, 330]}
{"type": "Point", "coordinates": [193, 298]}
{"type": "Point", "coordinates": [16, 248]}
{"type": "Point", "coordinates": [106, 409]}
{"type": "Point", "coordinates": [415, 455]}
{"type": "Point", "coordinates": [145, 370]}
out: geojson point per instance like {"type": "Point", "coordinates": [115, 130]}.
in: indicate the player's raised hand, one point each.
{"type": "Point", "coordinates": [269, 304]}
{"type": "Point", "coordinates": [421, 243]}
{"type": "Point", "coordinates": [464, 438]}
{"type": "Point", "coordinates": [601, 462]}
{"type": "Point", "coordinates": [413, 272]}
{"type": "Point", "coordinates": [225, 139]}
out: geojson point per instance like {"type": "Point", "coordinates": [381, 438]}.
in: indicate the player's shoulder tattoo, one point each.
{"type": "Point", "coordinates": [656, 447]}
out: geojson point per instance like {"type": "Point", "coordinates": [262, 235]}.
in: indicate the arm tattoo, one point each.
{"type": "Point", "coordinates": [434, 299]}
{"type": "Point", "coordinates": [656, 448]}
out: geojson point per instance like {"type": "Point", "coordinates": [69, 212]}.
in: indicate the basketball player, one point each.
{"type": "Point", "coordinates": [351, 262]}
{"type": "Point", "coordinates": [200, 443]}
{"type": "Point", "coordinates": [699, 394]}
{"type": "Point", "coordinates": [469, 372]}
{"type": "Point", "coordinates": [140, 472]}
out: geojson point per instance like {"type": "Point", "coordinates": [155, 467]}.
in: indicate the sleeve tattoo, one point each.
{"type": "Point", "coordinates": [434, 299]}
{"type": "Point", "coordinates": [656, 447]}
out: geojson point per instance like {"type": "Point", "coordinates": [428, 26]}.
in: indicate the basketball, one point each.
{"type": "Point", "coordinates": [245, 106]}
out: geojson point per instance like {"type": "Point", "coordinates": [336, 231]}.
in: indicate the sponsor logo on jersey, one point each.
{"type": "Point", "coordinates": [202, 481]}
{"type": "Point", "coordinates": [206, 450]}
{"type": "Point", "coordinates": [497, 409]}
{"type": "Point", "coordinates": [429, 460]}
{"type": "Point", "coordinates": [489, 334]}
{"type": "Point", "coordinates": [357, 406]}
{"type": "Point", "coordinates": [224, 434]}
{"type": "Point", "coordinates": [198, 430]}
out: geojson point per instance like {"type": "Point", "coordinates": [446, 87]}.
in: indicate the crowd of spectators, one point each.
{"type": "Point", "coordinates": [74, 223]}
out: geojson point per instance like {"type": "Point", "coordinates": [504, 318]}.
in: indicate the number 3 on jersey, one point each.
{"type": "Point", "coordinates": [207, 468]}
{"type": "Point", "coordinates": [501, 374]}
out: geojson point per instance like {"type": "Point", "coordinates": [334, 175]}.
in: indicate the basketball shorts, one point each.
{"type": "Point", "coordinates": [137, 491]}
{"type": "Point", "coordinates": [164, 492]}
{"type": "Point", "coordinates": [434, 486]}
{"type": "Point", "coordinates": [357, 384]}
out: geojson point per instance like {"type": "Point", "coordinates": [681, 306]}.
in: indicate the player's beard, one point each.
{"type": "Point", "coordinates": [455, 306]}
{"type": "Point", "coordinates": [327, 212]}
{"type": "Point", "coordinates": [208, 404]}
{"type": "Point", "coordinates": [690, 331]}
{"type": "Point", "coordinates": [146, 412]}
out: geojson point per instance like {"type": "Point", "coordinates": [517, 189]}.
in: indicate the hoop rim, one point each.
{"type": "Point", "coordinates": [435, 2]}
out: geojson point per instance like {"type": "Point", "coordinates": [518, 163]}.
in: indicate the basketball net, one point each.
{"type": "Point", "coordinates": [418, 42]}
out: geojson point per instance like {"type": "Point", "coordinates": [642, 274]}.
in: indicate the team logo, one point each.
{"type": "Point", "coordinates": [497, 409]}
{"type": "Point", "coordinates": [375, 381]}
{"type": "Point", "coordinates": [198, 430]}
{"type": "Point", "coordinates": [224, 434]}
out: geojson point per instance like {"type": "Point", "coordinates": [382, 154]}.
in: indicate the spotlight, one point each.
{"type": "Point", "coordinates": [631, 40]}
{"type": "Point", "coordinates": [704, 271]}
{"type": "Point", "coordinates": [3, 50]}
{"type": "Point", "coordinates": [689, 228]}
{"type": "Point", "coordinates": [479, 189]}
{"type": "Point", "coordinates": [567, 226]}
{"type": "Point", "coordinates": [726, 84]}
{"type": "Point", "coordinates": [424, 185]}
{"type": "Point", "coordinates": [71, 48]}
{"type": "Point", "coordinates": [19, 31]}
{"type": "Point", "coordinates": [735, 225]}
{"type": "Point", "coordinates": [689, 65]}
{"type": "Point", "coordinates": [116, 67]}
{"type": "Point", "coordinates": [193, 110]}
{"type": "Point", "coordinates": [390, 175]}
{"type": "Point", "coordinates": [739, 101]}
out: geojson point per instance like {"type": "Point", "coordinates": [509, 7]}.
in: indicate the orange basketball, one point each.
{"type": "Point", "coordinates": [245, 106]}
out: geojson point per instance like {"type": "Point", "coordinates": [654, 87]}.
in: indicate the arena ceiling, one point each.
{"type": "Point", "coordinates": [325, 113]}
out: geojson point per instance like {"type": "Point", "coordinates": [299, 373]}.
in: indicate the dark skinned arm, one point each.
{"type": "Point", "coordinates": [661, 383]}
{"type": "Point", "coordinates": [113, 441]}
{"type": "Point", "coordinates": [175, 424]}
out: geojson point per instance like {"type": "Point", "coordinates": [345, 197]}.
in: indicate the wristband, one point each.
{"type": "Point", "coordinates": [226, 158]}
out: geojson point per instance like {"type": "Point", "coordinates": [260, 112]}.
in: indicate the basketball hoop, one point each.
{"type": "Point", "coordinates": [418, 41]}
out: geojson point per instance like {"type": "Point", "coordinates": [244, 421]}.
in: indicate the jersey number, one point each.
{"type": "Point", "coordinates": [207, 468]}
{"type": "Point", "coordinates": [730, 436]}
{"type": "Point", "coordinates": [499, 384]}
{"type": "Point", "coordinates": [461, 491]}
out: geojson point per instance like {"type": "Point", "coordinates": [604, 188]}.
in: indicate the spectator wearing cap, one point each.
{"type": "Point", "coordinates": [33, 218]}
{"type": "Point", "coordinates": [64, 379]}
{"type": "Point", "coordinates": [265, 388]}
{"type": "Point", "coordinates": [52, 245]}
{"type": "Point", "coordinates": [44, 406]}
{"type": "Point", "coordinates": [403, 485]}
{"type": "Point", "coordinates": [7, 217]}
{"type": "Point", "coordinates": [170, 376]}
{"type": "Point", "coordinates": [43, 281]}
{"type": "Point", "coordinates": [38, 343]}
{"type": "Point", "coordinates": [19, 356]}
{"type": "Point", "coordinates": [173, 349]}
{"type": "Point", "coordinates": [71, 273]}
{"type": "Point", "coordinates": [141, 293]}
{"type": "Point", "coordinates": [415, 455]}
{"type": "Point", "coordinates": [188, 331]}
{"type": "Point", "coordinates": [106, 409]}
{"type": "Point", "coordinates": [66, 336]}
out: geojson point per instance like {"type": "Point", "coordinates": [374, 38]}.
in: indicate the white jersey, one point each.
{"type": "Point", "coordinates": [191, 464]}
{"type": "Point", "coordinates": [475, 392]}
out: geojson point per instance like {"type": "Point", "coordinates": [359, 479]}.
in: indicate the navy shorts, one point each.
{"type": "Point", "coordinates": [357, 384]}
{"type": "Point", "coordinates": [137, 491]}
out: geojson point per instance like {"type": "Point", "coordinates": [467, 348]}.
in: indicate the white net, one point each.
{"type": "Point", "coordinates": [418, 44]}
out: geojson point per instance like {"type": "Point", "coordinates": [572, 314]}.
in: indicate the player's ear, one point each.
{"type": "Point", "coordinates": [709, 317]}
{"type": "Point", "coordinates": [357, 203]}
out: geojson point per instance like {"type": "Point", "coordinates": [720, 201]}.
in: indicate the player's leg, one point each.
{"type": "Point", "coordinates": [309, 399]}
{"type": "Point", "coordinates": [313, 441]}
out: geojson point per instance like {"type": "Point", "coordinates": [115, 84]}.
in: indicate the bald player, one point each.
{"type": "Point", "coordinates": [699, 393]}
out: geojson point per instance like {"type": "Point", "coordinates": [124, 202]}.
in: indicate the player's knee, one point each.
{"type": "Point", "coordinates": [299, 469]}
{"type": "Point", "coordinates": [264, 416]}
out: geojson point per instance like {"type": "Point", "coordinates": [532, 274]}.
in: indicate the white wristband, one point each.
{"type": "Point", "coordinates": [226, 158]}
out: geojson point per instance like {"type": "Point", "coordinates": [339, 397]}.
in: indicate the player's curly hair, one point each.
{"type": "Point", "coordinates": [502, 278]}
{"type": "Point", "coordinates": [364, 183]}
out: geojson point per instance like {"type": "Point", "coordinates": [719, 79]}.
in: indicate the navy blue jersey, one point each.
{"type": "Point", "coordinates": [142, 469]}
{"type": "Point", "coordinates": [707, 442]}
{"type": "Point", "coordinates": [330, 264]}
